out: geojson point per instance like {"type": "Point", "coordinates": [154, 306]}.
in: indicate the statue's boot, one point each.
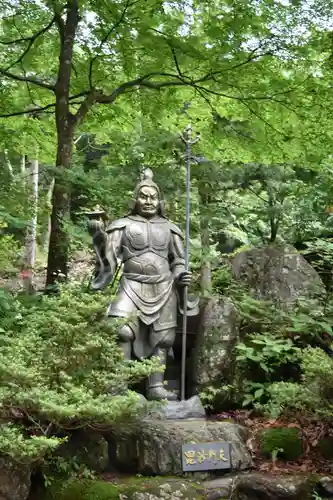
{"type": "Point", "coordinates": [156, 389]}
{"type": "Point", "coordinates": [127, 350]}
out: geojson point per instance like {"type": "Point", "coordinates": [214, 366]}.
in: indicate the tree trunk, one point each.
{"type": "Point", "coordinates": [30, 248]}
{"type": "Point", "coordinates": [8, 164]}
{"type": "Point", "coordinates": [22, 164]}
{"type": "Point", "coordinates": [206, 271]}
{"type": "Point", "coordinates": [46, 235]}
{"type": "Point", "coordinates": [57, 265]}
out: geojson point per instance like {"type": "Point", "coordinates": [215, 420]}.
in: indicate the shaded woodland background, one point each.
{"type": "Point", "coordinates": [93, 92]}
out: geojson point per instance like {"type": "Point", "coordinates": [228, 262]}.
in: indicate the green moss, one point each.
{"type": "Point", "coordinates": [325, 447]}
{"type": "Point", "coordinates": [285, 441]}
{"type": "Point", "coordinates": [84, 490]}
{"type": "Point", "coordinates": [102, 490]}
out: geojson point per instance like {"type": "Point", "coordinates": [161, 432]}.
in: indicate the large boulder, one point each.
{"type": "Point", "coordinates": [154, 447]}
{"type": "Point", "coordinates": [213, 358]}
{"type": "Point", "coordinates": [277, 273]}
{"type": "Point", "coordinates": [272, 273]}
{"type": "Point", "coordinates": [14, 480]}
{"type": "Point", "coordinates": [254, 486]}
{"type": "Point", "coordinates": [261, 486]}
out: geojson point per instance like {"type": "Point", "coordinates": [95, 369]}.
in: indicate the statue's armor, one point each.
{"type": "Point", "coordinates": [146, 245]}
{"type": "Point", "coordinates": [147, 290]}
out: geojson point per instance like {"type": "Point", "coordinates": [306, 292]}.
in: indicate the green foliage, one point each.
{"type": "Point", "coordinates": [288, 440]}
{"type": "Point", "coordinates": [61, 368]}
{"type": "Point", "coordinates": [312, 395]}
{"type": "Point", "coordinates": [267, 351]}
{"type": "Point", "coordinates": [83, 490]}
{"type": "Point", "coordinates": [65, 468]}
{"type": "Point", "coordinates": [263, 356]}
{"type": "Point", "coordinates": [272, 340]}
{"type": "Point", "coordinates": [210, 396]}
{"type": "Point", "coordinates": [16, 443]}
{"type": "Point", "coordinates": [221, 279]}
{"type": "Point", "coordinates": [254, 392]}
{"type": "Point", "coordinates": [325, 447]}
{"type": "Point", "coordinates": [261, 173]}
{"type": "Point", "coordinates": [9, 250]}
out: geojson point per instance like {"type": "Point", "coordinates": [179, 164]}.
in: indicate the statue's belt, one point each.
{"type": "Point", "coordinates": [153, 279]}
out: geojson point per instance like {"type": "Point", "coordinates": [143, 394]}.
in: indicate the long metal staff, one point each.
{"type": "Point", "coordinates": [187, 138]}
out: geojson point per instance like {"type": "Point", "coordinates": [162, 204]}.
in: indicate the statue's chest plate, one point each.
{"type": "Point", "coordinates": [148, 235]}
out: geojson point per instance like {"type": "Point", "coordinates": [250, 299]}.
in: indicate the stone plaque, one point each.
{"type": "Point", "coordinates": [206, 456]}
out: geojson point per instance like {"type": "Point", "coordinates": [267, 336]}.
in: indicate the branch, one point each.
{"type": "Point", "coordinates": [175, 80]}
{"type": "Point", "coordinates": [28, 111]}
{"type": "Point", "coordinates": [41, 109]}
{"type": "Point", "coordinates": [28, 86]}
{"type": "Point", "coordinates": [31, 40]}
{"type": "Point", "coordinates": [85, 106]}
{"type": "Point", "coordinates": [142, 81]}
{"type": "Point", "coordinates": [15, 42]}
{"type": "Point", "coordinates": [100, 98]}
{"type": "Point", "coordinates": [28, 79]}
{"type": "Point", "coordinates": [253, 112]}
{"type": "Point", "coordinates": [59, 22]}
{"type": "Point", "coordinates": [174, 55]}
{"type": "Point", "coordinates": [252, 57]}
{"type": "Point", "coordinates": [106, 37]}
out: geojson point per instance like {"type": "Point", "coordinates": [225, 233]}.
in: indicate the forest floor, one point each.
{"type": "Point", "coordinates": [80, 269]}
{"type": "Point", "coordinates": [312, 432]}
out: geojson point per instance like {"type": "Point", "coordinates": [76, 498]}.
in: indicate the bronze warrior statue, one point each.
{"type": "Point", "coordinates": [151, 250]}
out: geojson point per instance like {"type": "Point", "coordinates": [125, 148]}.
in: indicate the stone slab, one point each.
{"type": "Point", "coordinates": [179, 410]}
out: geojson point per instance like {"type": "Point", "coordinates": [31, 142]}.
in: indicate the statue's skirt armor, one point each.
{"type": "Point", "coordinates": [155, 304]}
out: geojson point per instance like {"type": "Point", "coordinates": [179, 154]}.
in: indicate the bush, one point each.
{"type": "Point", "coordinates": [273, 342]}
{"type": "Point", "coordinates": [285, 441]}
{"type": "Point", "coordinates": [313, 395]}
{"type": "Point", "coordinates": [60, 368]}
{"type": "Point", "coordinates": [325, 447]}
{"type": "Point", "coordinates": [9, 251]}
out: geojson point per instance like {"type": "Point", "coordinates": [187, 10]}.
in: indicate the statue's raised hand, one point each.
{"type": "Point", "coordinates": [95, 226]}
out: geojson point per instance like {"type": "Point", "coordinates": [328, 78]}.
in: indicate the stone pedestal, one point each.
{"type": "Point", "coordinates": [263, 486]}
{"type": "Point", "coordinates": [179, 410]}
{"type": "Point", "coordinates": [154, 446]}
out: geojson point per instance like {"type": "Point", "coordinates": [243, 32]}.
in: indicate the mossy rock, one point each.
{"type": "Point", "coordinates": [285, 441]}
{"type": "Point", "coordinates": [131, 489]}
{"type": "Point", "coordinates": [83, 452]}
{"type": "Point", "coordinates": [89, 448]}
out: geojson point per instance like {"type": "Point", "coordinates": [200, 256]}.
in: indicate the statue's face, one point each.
{"type": "Point", "coordinates": [147, 202]}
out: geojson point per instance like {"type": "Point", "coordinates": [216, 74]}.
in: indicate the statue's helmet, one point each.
{"type": "Point", "coordinates": [147, 180]}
